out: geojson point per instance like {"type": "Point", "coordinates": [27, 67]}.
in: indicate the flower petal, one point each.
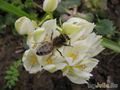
{"type": "Point", "coordinates": [51, 68]}
{"type": "Point", "coordinates": [39, 35]}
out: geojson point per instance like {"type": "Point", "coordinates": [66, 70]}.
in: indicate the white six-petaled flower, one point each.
{"type": "Point", "coordinates": [31, 61]}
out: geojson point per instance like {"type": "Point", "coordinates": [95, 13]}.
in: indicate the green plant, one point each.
{"type": "Point", "coordinates": [105, 27]}
{"type": "Point", "coordinates": [13, 74]}
{"type": "Point", "coordinates": [9, 18]}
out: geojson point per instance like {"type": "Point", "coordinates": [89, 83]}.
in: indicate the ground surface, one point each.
{"type": "Point", "coordinates": [11, 50]}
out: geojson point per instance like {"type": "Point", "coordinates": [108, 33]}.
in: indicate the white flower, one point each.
{"type": "Point", "coordinates": [80, 73]}
{"type": "Point", "coordinates": [77, 27]}
{"type": "Point", "coordinates": [85, 45]}
{"type": "Point", "coordinates": [31, 61]}
{"type": "Point", "coordinates": [25, 26]}
{"type": "Point", "coordinates": [50, 5]}
{"type": "Point", "coordinates": [42, 34]}
{"type": "Point", "coordinates": [49, 27]}
{"type": "Point", "coordinates": [74, 55]}
{"type": "Point", "coordinates": [52, 63]}
{"type": "Point", "coordinates": [91, 42]}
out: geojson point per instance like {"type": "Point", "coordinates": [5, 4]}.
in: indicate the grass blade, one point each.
{"type": "Point", "coordinates": [12, 9]}
{"type": "Point", "coordinates": [110, 44]}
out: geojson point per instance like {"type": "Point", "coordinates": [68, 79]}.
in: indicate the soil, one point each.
{"type": "Point", "coordinates": [107, 71]}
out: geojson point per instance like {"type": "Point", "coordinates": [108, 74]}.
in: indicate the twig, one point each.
{"type": "Point", "coordinates": [108, 53]}
{"type": "Point", "coordinates": [37, 5]}
{"type": "Point", "coordinates": [41, 73]}
{"type": "Point", "coordinates": [19, 51]}
{"type": "Point", "coordinates": [113, 57]}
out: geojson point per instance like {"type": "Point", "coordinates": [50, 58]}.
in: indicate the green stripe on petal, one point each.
{"type": "Point", "coordinates": [50, 68]}
{"type": "Point", "coordinates": [68, 29]}
{"type": "Point", "coordinates": [38, 33]}
{"type": "Point", "coordinates": [35, 24]}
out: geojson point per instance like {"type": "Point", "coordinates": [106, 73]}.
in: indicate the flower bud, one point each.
{"type": "Point", "coordinates": [25, 26]}
{"type": "Point", "coordinates": [50, 5]}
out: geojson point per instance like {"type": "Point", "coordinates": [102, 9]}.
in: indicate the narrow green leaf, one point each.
{"type": "Point", "coordinates": [110, 44]}
{"type": "Point", "coordinates": [12, 67]}
{"type": "Point", "coordinates": [9, 72]}
{"type": "Point", "coordinates": [15, 78]}
{"type": "Point", "coordinates": [19, 63]}
{"type": "Point", "coordinates": [15, 64]}
{"type": "Point", "coordinates": [7, 77]}
{"type": "Point", "coordinates": [15, 71]}
{"type": "Point", "coordinates": [12, 82]}
{"type": "Point", "coordinates": [119, 40]}
{"type": "Point", "coordinates": [10, 86]}
{"type": "Point", "coordinates": [16, 74]}
{"type": "Point", "coordinates": [12, 9]}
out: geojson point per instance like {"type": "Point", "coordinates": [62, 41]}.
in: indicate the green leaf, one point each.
{"type": "Point", "coordinates": [16, 74]}
{"type": "Point", "coordinates": [119, 40]}
{"type": "Point", "coordinates": [71, 3]}
{"type": "Point", "coordinates": [10, 86]}
{"type": "Point", "coordinates": [105, 27]}
{"type": "Point", "coordinates": [63, 5]}
{"type": "Point", "coordinates": [12, 82]}
{"type": "Point", "coordinates": [15, 78]}
{"type": "Point", "coordinates": [7, 77]}
{"type": "Point", "coordinates": [89, 17]}
{"type": "Point", "coordinates": [110, 44]}
{"type": "Point", "coordinates": [12, 68]}
{"type": "Point", "coordinates": [9, 72]}
{"type": "Point", "coordinates": [19, 62]}
{"type": "Point", "coordinates": [15, 64]}
{"type": "Point", "coordinates": [12, 9]}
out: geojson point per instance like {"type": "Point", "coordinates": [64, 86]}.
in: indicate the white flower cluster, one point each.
{"type": "Point", "coordinates": [78, 60]}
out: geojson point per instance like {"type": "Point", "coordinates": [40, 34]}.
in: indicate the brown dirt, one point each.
{"type": "Point", "coordinates": [109, 65]}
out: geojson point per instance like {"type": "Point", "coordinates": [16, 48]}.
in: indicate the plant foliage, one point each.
{"type": "Point", "coordinates": [13, 74]}
{"type": "Point", "coordinates": [17, 9]}
{"type": "Point", "coordinates": [105, 27]}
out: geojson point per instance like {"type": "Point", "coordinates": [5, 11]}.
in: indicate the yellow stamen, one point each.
{"type": "Point", "coordinates": [74, 56]}
{"type": "Point", "coordinates": [81, 38]}
{"type": "Point", "coordinates": [34, 59]}
{"type": "Point", "coordinates": [34, 44]}
{"type": "Point", "coordinates": [50, 61]}
{"type": "Point", "coordinates": [81, 67]}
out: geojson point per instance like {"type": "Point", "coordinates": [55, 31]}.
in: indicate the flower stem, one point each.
{"type": "Point", "coordinates": [51, 15]}
{"type": "Point", "coordinates": [44, 19]}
